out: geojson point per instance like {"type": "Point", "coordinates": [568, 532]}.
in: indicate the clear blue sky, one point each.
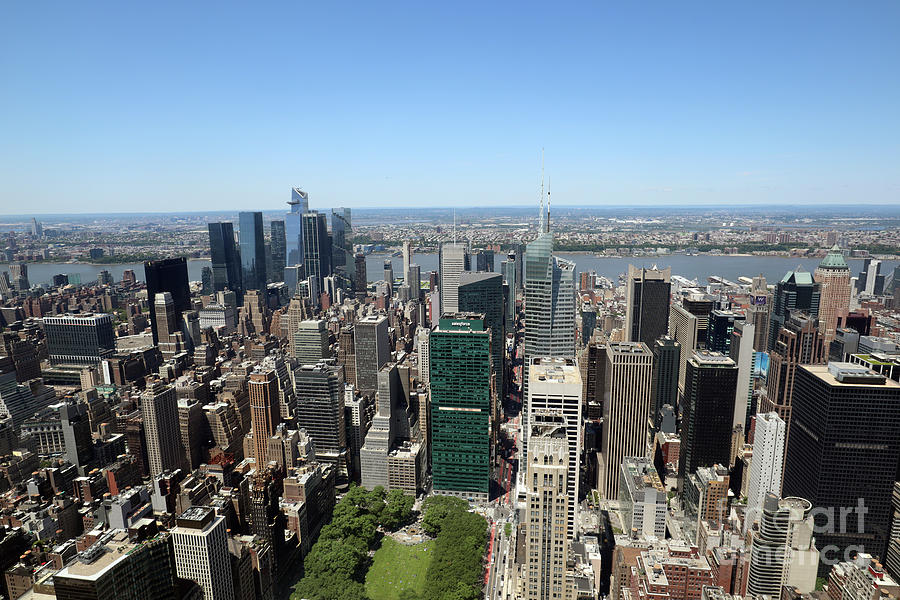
{"type": "Point", "coordinates": [132, 106]}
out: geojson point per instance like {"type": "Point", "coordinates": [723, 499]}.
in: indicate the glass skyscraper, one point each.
{"type": "Point", "coordinates": [279, 255]}
{"type": "Point", "coordinates": [293, 229]}
{"type": "Point", "coordinates": [340, 231]}
{"type": "Point", "coordinates": [316, 247]}
{"type": "Point", "coordinates": [226, 263]}
{"type": "Point", "coordinates": [253, 251]}
{"type": "Point", "coordinates": [460, 375]}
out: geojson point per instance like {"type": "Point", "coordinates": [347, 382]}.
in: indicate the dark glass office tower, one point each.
{"type": "Point", "coordinates": [843, 450]}
{"type": "Point", "coordinates": [795, 292]}
{"type": "Point", "coordinates": [483, 293]}
{"type": "Point", "coordinates": [721, 324]}
{"type": "Point", "coordinates": [226, 262]}
{"type": "Point", "coordinates": [647, 310]}
{"type": "Point", "coordinates": [710, 385]}
{"type": "Point", "coordinates": [316, 247]}
{"type": "Point", "coordinates": [293, 229]}
{"type": "Point", "coordinates": [666, 360]}
{"type": "Point", "coordinates": [460, 375]}
{"type": "Point", "coordinates": [278, 245]}
{"type": "Point", "coordinates": [700, 305]}
{"type": "Point", "coordinates": [341, 231]}
{"type": "Point", "coordinates": [168, 275]}
{"type": "Point", "coordinates": [253, 251]}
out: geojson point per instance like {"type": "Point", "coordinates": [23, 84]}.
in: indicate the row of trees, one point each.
{"type": "Point", "coordinates": [335, 567]}
{"type": "Point", "coordinates": [455, 572]}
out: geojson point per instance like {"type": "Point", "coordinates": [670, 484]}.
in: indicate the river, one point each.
{"type": "Point", "coordinates": [691, 267]}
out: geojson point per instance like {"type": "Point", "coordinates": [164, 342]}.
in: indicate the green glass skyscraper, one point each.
{"type": "Point", "coordinates": [483, 293]}
{"type": "Point", "coordinates": [460, 374]}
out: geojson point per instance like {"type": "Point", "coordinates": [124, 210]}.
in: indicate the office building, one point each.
{"type": "Point", "coordinates": [316, 247]}
{"type": "Point", "coordinates": [796, 292]}
{"type": "Point", "coordinates": [833, 275]}
{"type": "Point", "coordinates": [407, 262]}
{"type": "Point", "coordinates": [799, 342]}
{"type": "Point", "coordinates": [226, 262]}
{"type": "Point", "coordinates": [453, 260]}
{"type": "Point", "coordinates": [742, 353]}
{"type": "Point", "coordinates": [311, 342]}
{"type": "Point", "coordinates": [555, 387]}
{"type": "Point", "coordinates": [18, 272]}
{"type": "Point", "coordinates": [870, 281]}
{"type": "Point", "coordinates": [546, 510]}
{"type": "Point", "coordinates": [278, 244]}
{"type": "Point", "coordinates": [293, 227]}
{"type": "Point", "coordinates": [159, 412]}
{"type": "Point", "coordinates": [647, 293]}
{"type": "Point", "coordinates": [782, 552]}
{"type": "Point", "coordinates": [253, 251]}
{"type": "Point", "coordinates": [483, 293]}
{"type": "Point", "coordinates": [549, 307]}
{"type": "Point", "coordinates": [389, 276]}
{"type": "Point", "coordinates": [626, 410]}
{"type": "Point", "coordinates": [666, 361]}
{"type": "Point", "coordinates": [265, 414]}
{"type": "Point", "coordinates": [683, 328]}
{"type": "Point", "coordinates": [708, 412]}
{"type": "Point", "coordinates": [320, 411]}
{"type": "Point", "coordinates": [82, 339]}
{"type": "Point", "coordinates": [372, 350]}
{"type": "Point", "coordinates": [766, 467]}
{"type": "Point", "coordinates": [116, 568]}
{"type": "Point", "coordinates": [758, 313]}
{"type": "Point", "coordinates": [642, 498]}
{"type": "Point", "coordinates": [360, 282]}
{"type": "Point", "coordinates": [510, 268]}
{"type": "Point", "coordinates": [721, 324]}
{"type": "Point", "coordinates": [168, 275]}
{"type": "Point", "coordinates": [171, 340]}
{"type": "Point", "coordinates": [460, 379]}
{"type": "Point", "coordinates": [704, 494]}
{"type": "Point", "coordinates": [843, 449]}
{"type": "Point", "coordinates": [200, 542]}
{"type": "Point", "coordinates": [341, 247]}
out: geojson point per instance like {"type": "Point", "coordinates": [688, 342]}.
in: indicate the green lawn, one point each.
{"type": "Point", "coordinates": [397, 568]}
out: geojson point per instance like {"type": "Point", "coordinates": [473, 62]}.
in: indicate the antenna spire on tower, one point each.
{"type": "Point", "coordinates": [548, 204]}
{"type": "Point", "coordinates": [541, 222]}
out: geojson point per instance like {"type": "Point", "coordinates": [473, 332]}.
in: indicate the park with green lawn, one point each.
{"type": "Point", "coordinates": [357, 557]}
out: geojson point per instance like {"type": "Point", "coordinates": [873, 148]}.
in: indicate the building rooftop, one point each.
{"type": "Point", "coordinates": [554, 370]}
{"type": "Point", "coordinates": [844, 373]}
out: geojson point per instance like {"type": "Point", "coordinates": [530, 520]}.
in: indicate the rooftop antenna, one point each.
{"type": "Point", "coordinates": [548, 204]}
{"type": "Point", "coordinates": [541, 222]}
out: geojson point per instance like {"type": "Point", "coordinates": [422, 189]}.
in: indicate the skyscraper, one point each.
{"type": "Point", "coordinates": [483, 293]}
{"type": "Point", "coordinates": [83, 339]}
{"type": "Point", "coordinates": [833, 275]}
{"type": "Point", "coordinates": [796, 292]}
{"type": "Point", "coordinates": [626, 410]}
{"type": "Point", "coordinates": [555, 388]}
{"type": "Point", "coordinates": [509, 269]}
{"type": "Point", "coordinates": [279, 249]}
{"type": "Point", "coordinates": [372, 350]}
{"type": "Point", "coordinates": [798, 343]}
{"type": "Point", "coordinates": [741, 351]}
{"type": "Point", "coordinates": [200, 541]}
{"type": "Point", "coordinates": [721, 324]}
{"type": "Point", "coordinates": [758, 313]}
{"type": "Point", "coordinates": [264, 413]}
{"type": "Point", "coordinates": [782, 551]}
{"type": "Point", "coordinates": [226, 263]}
{"type": "Point", "coordinates": [310, 342]}
{"type": "Point", "coordinates": [168, 275]}
{"type": "Point", "coordinates": [549, 308]}
{"type": "Point", "coordinates": [320, 411]}
{"type": "Point", "coordinates": [453, 259]}
{"type": "Point", "coordinates": [19, 274]}
{"type": "Point", "coordinates": [839, 455]}
{"type": "Point", "coordinates": [666, 361]}
{"type": "Point", "coordinates": [293, 228]}
{"type": "Point", "coordinates": [683, 328]}
{"type": "Point", "coordinates": [253, 251]}
{"type": "Point", "coordinates": [708, 412]}
{"type": "Point", "coordinates": [766, 467]}
{"type": "Point", "coordinates": [647, 294]}
{"type": "Point", "coordinates": [316, 247]}
{"type": "Point", "coordinates": [341, 249]}
{"type": "Point", "coordinates": [170, 338]}
{"type": "Point", "coordinates": [159, 411]}
{"type": "Point", "coordinates": [360, 280]}
{"type": "Point", "coordinates": [460, 405]}
{"type": "Point", "coordinates": [546, 510]}
{"type": "Point", "coordinates": [407, 263]}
